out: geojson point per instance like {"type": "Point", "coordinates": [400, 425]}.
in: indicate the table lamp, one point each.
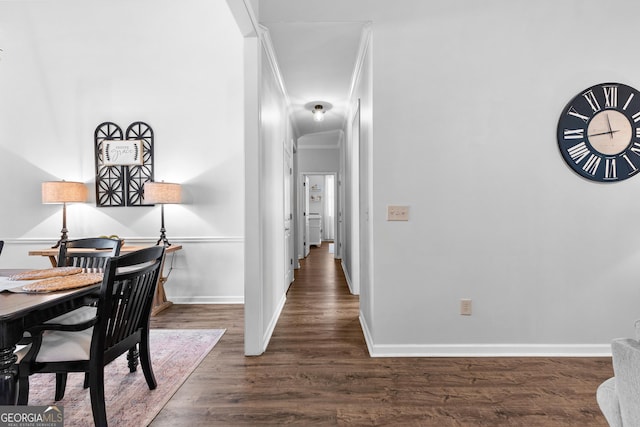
{"type": "Point", "coordinates": [63, 192]}
{"type": "Point", "coordinates": [162, 193]}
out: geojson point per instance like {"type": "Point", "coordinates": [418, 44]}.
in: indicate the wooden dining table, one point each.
{"type": "Point", "coordinates": [160, 301]}
{"type": "Point", "coordinates": [20, 311]}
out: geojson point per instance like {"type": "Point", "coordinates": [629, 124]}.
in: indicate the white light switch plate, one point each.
{"type": "Point", "coordinates": [397, 213]}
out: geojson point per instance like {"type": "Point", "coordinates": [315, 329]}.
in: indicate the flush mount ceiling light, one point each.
{"type": "Point", "coordinates": [318, 108]}
{"type": "Point", "coordinates": [318, 113]}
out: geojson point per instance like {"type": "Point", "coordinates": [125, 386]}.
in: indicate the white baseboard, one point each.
{"type": "Point", "coordinates": [348, 279]}
{"type": "Point", "coordinates": [266, 338]}
{"type": "Point", "coordinates": [367, 334]}
{"type": "Point", "coordinates": [482, 350]}
{"type": "Point", "coordinates": [492, 350]}
{"type": "Point", "coordinates": [208, 300]}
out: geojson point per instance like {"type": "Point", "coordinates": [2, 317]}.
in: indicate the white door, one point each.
{"type": "Point", "coordinates": [366, 252]}
{"type": "Point", "coordinates": [305, 214]}
{"type": "Point", "coordinates": [288, 218]}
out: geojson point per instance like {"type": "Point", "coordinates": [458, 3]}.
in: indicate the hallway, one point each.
{"type": "Point", "coordinates": [317, 371]}
{"type": "Point", "coordinates": [320, 314]}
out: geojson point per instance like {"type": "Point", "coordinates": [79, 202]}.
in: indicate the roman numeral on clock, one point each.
{"type": "Point", "coordinates": [591, 99]}
{"type": "Point", "coordinates": [578, 152]}
{"type": "Point", "coordinates": [572, 112]}
{"type": "Point", "coordinates": [591, 165]}
{"type": "Point", "coordinates": [626, 104]}
{"type": "Point", "coordinates": [610, 171]}
{"type": "Point", "coordinates": [631, 165]}
{"type": "Point", "coordinates": [610, 96]}
{"type": "Point", "coordinates": [577, 133]}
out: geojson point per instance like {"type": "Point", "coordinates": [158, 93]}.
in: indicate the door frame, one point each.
{"type": "Point", "coordinates": [289, 213]}
{"type": "Point", "coordinates": [302, 223]}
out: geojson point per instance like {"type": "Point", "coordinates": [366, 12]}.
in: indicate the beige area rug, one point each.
{"type": "Point", "coordinates": [175, 353]}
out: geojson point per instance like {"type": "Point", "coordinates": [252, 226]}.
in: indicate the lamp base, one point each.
{"type": "Point", "coordinates": [164, 241]}
{"type": "Point", "coordinates": [63, 238]}
{"type": "Point", "coordinates": [163, 238]}
{"type": "Point", "coordinates": [58, 243]}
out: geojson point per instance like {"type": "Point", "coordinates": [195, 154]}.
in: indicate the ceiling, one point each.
{"type": "Point", "coordinates": [316, 61]}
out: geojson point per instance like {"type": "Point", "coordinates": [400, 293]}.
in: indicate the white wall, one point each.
{"type": "Point", "coordinates": [319, 160]}
{"type": "Point", "coordinates": [316, 194]}
{"type": "Point", "coordinates": [69, 65]}
{"type": "Point", "coordinates": [362, 187]}
{"type": "Point", "coordinates": [320, 152]}
{"type": "Point", "coordinates": [265, 149]}
{"type": "Point", "coordinates": [274, 133]}
{"type": "Point", "coordinates": [466, 100]}
{"type": "Point", "coordinates": [350, 246]}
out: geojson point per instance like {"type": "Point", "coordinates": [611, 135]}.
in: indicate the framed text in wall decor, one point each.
{"type": "Point", "coordinates": [122, 152]}
{"type": "Point", "coordinates": [124, 162]}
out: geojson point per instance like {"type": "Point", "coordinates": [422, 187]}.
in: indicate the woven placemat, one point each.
{"type": "Point", "coordinates": [45, 273]}
{"type": "Point", "coordinates": [53, 284]}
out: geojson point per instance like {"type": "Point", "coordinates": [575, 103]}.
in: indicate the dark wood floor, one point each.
{"type": "Point", "coordinates": [317, 371]}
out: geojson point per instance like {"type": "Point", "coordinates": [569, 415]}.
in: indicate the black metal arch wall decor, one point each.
{"type": "Point", "coordinates": [122, 185]}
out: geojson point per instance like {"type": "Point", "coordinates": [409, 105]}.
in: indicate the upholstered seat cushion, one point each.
{"type": "Point", "coordinates": [58, 346]}
{"type": "Point", "coordinates": [78, 315]}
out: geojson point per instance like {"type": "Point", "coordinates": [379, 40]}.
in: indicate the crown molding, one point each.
{"type": "Point", "coordinates": [267, 45]}
{"type": "Point", "coordinates": [365, 41]}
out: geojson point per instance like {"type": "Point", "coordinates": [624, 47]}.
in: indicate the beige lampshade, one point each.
{"type": "Point", "coordinates": [162, 193]}
{"type": "Point", "coordinates": [64, 192]}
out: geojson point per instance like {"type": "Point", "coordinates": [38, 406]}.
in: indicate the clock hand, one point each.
{"type": "Point", "coordinates": [611, 132]}
{"type": "Point", "coordinates": [609, 126]}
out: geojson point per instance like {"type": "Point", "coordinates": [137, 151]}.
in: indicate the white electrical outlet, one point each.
{"type": "Point", "coordinates": [397, 213]}
{"type": "Point", "coordinates": [465, 307]}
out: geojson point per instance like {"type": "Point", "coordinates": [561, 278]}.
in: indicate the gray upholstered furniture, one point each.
{"type": "Point", "coordinates": [619, 397]}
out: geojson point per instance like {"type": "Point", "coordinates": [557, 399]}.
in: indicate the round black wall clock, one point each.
{"type": "Point", "coordinates": [599, 132]}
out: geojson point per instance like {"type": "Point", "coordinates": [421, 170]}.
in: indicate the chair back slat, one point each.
{"type": "Point", "coordinates": [126, 297]}
{"type": "Point", "coordinates": [130, 299]}
{"type": "Point", "coordinates": [90, 254]}
{"type": "Point", "coordinates": [90, 262]}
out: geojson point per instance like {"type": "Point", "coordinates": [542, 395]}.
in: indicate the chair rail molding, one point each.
{"type": "Point", "coordinates": [151, 240]}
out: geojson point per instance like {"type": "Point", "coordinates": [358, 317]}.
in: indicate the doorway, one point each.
{"type": "Point", "coordinates": [268, 119]}
{"type": "Point", "coordinates": [318, 212]}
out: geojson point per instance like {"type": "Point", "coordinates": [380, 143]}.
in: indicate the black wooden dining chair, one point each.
{"type": "Point", "coordinates": [90, 253]}
{"type": "Point", "coordinates": [1, 245]}
{"type": "Point", "coordinates": [121, 323]}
